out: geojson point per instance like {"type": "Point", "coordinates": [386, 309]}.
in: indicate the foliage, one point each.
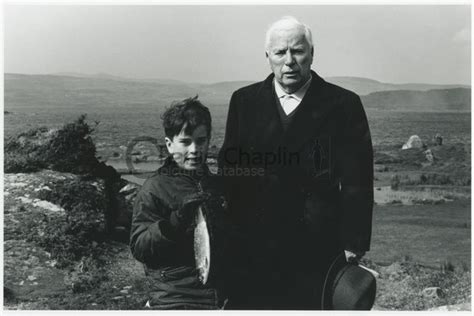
{"type": "Point", "coordinates": [15, 163]}
{"type": "Point", "coordinates": [430, 178]}
{"type": "Point", "coordinates": [72, 148]}
{"type": "Point", "coordinates": [402, 288]}
{"type": "Point", "coordinates": [85, 275]}
{"type": "Point", "coordinates": [81, 232]}
{"type": "Point", "coordinates": [69, 149]}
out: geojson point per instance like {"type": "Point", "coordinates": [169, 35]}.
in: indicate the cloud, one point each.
{"type": "Point", "coordinates": [463, 36]}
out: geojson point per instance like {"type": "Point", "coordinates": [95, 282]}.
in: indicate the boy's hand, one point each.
{"type": "Point", "coordinates": [185, 214]}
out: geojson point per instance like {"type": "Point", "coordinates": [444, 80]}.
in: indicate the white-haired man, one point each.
{"type": "Point", "coordinates": [312, 198]}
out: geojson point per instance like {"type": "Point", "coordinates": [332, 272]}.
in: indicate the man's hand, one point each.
{"type": "Point", "coordinates": [185, 214]}
{"type": "Point", "coordinates": [353, 256]}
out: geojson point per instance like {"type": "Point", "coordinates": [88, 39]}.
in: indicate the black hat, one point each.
{"type": "Point", "coordinates": [348, 287]}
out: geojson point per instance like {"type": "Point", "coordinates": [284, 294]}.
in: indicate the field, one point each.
{"type": "Point", "coordinates": [423, 223]}
{"type": "Point", "coordinates": [120, 125]}
{"type": "Point", "coordinates": [428, 234]}
{"type": "Point", "coordinates": [389, 130]}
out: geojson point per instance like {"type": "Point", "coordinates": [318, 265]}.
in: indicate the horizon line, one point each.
{"type": "Point", "coordinates": [102, 75]}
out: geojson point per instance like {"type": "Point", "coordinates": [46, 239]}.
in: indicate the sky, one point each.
{"type": "Point", "coordinates": [209, 43]}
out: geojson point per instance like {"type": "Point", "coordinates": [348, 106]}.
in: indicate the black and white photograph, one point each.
{"type": "Point", "coordinates": [251, 157]}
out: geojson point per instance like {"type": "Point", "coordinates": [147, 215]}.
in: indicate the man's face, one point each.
{"type": "Point", "coordinates": [290, 57]}
{"type": "Point", "coordinates": [189, 151]}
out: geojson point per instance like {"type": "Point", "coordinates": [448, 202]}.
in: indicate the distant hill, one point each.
{"type": "Point", "coordinates": [77, 90]}
{"type": "Point", "coordinates": [66, 91]}
{"type": "Point", "coordinates": [364, 86]}
{"type": "Point", "coordinates": [113, 77]}
{"type": "Point", "coordinates": [457, 99]}
{"type": "Point", "coordinates": [361, 86]}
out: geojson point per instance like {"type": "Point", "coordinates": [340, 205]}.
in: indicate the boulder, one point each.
{"type": "Point", "coordinates": [433, 292]}
{"type": "Point", "coordinates": [429, 155]}
{"type": "Point", "coordinates": [438, 140]}
{"type": "Point", "coordinates": [393, 271]}
{"type": "Point", "coordinates": [413, 142]}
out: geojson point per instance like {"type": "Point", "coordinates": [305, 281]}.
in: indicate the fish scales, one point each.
{"type": "Point", "coordinates": [202, 247]}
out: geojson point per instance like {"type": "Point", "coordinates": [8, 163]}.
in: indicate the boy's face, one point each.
{"type": "Point", "coordinates": [189, 151]}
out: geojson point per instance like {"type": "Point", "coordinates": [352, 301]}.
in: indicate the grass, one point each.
{"type": "Point", "coordinates": [430, 234]}
{"type": "Point", "coordinates": [401, 286]}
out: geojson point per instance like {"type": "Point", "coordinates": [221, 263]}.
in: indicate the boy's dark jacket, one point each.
{"type": "Point", "coordinates": [169, 259]}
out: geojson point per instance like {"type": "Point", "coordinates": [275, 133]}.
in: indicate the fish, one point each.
{"type": "Point", "coordinates": [202, 247]}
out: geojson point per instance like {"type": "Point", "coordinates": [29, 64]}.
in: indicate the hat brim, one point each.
{"type": "Point", "coordinates": [348, 287]}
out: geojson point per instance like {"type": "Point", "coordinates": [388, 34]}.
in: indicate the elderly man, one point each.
{"type": "Point", "coordinates": [304, 193]}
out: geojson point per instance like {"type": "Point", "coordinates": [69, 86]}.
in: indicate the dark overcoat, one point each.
{"type": "Point", "coordinates": [301, 195]}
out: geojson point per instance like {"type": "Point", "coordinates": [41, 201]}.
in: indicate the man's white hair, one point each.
{"type": "Point", "coordinates": [285, 23]}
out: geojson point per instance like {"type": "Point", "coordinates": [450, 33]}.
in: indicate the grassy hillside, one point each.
{"type": "Point", "coordinates": [68, 91]}
{"type": "Point", "coordinates": [364, 86]}
{"type": "Point", "coordinates": [457, 99]}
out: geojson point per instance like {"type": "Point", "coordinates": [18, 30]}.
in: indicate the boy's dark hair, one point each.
{"type": "Point", "coordinates": [190, 112]}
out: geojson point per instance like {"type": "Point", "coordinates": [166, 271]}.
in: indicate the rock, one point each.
{"type": "Point", "coordinates": [413, 142]}
{"type": "Point", "coordinates": [432, 292]}
{"type": "Point", "coordinates": [48, 206]}
{"type": "Point", "coordinates": [429, 155]}
{"type": "Point", "coordinates": [18, 184]}
{"type": "Point", "coordinates": [393, 271]}
{"type": "Point", "coordinates": [438, 140]}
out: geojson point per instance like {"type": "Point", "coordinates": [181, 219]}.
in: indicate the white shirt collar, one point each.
{"type": "Point", "coordinates": [298, 95]}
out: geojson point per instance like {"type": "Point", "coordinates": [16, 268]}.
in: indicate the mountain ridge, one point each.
{"type": "Point", "coordinates": [96, 90]}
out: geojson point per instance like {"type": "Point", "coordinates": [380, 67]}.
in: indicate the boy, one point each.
{"type": "Point", "coordinates": [162, 232]}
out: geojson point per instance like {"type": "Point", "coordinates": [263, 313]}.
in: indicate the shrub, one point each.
{"type": "Point", "coordinates": [15, 163]}
{"type": "Point", "coordinates": [72, 148]}
{"type": "Point", "coordinates": [81, 232]}
{"type": "Point", "coordinates": [69, 149]}
{"type": "Point", "coordinates": [405, 291]}
{"type": "Point", "coordinates": [85, 275]}
{"type": "Point", "coordinates": [395, 182]}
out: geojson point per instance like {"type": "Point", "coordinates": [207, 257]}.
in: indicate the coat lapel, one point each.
{"type": "Point", "coordinates": [269, 127]}
{"type": "Point", "coordinates": [309, 116]}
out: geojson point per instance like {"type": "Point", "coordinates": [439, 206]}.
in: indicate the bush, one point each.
{"type": "Point", "coordinates": [15, 163]}
{"type": "Point", "coordinates": [85, 275]}
{"type": "Point", "coordinates": [395, 182]}
{"type": "Point", "coordinates": [432, 178]}
{"type": "Point", "coordinates": [404, 291]}
{"type": "Point", "coordinates": [69, 149]}
{"type": "Point", "coordinates": [78, 234]}
{"type": "Point", "coordinates": [72, 148]}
